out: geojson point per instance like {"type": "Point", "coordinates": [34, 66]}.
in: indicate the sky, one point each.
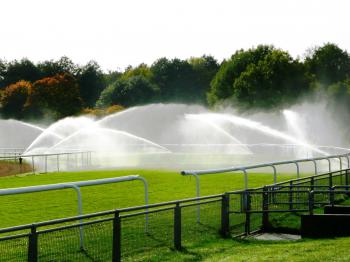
{"type": "Point", "coordinates": [118, 33]}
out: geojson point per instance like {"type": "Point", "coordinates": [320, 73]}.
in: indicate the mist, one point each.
{"type": "Point", "coordinates": [179, 136]}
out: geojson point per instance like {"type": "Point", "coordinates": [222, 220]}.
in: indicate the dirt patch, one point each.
{"type": "Point", "coordinates": [8, 168]}
{"type": "Point", "coordinates": [276, 236]}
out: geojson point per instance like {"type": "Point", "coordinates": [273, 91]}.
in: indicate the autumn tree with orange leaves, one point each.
{"type": "Point", "coordinates": [56, 96]}
{"type": "Point", "coordinates": [14, 99]}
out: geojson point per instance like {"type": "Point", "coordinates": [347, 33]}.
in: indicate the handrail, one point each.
{"type": "Point", "coordinates": [272, 164]}
{"type": "Point", "coordinates": [55, 154]}
{"type": "Point", "coordinates": [76, 186]}
{"type": "Point", "coordinates": [197, 173]}
{"type": "Point", "coordinates": [231, 169]}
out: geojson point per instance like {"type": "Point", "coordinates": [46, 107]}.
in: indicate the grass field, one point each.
{"type": "Point", "coordinates": [163, 186]}
{"type": "Point", "coordinates": [254, 250]}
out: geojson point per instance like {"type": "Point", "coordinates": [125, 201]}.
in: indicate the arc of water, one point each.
{"type": "Point", "coordinates": [293, 121]}
{"type": "Point", "coordinates": [219, 129]}
{"type": "Point", "coordinates": [114, 131]}
{"type": "Point", "coordinates": [46, 131]}
{"type": "Point", "coordinates": [30, 125]}
{"type": "Point", "coordinates": [120, 113]}
{"type": "Point", "coordinates": [261, 128]}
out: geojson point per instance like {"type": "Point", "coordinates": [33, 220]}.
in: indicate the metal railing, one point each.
{"type": "Point", "coordinates": [120, 225]}
{"type": "Point", "coordinates": [297, 195]}
{"type": "Point", "coordinates": [76, 186]}
{"type": "Point", "coordinates": [73, 159]}
{"type": "Point", "coordinates": [9, 152]}
{"type": "Point", "coordinates": [117, 234]}
{"type": "Point", "coordinates": [273, 165]}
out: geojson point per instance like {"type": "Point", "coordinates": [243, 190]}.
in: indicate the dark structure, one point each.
{"type": "Point", "coordinates": [325, 225]}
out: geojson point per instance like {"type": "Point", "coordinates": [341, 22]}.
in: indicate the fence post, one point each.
{"type": "Point", "coordinates": [45, 164]}
{"type": "Point", "coordinates": [177, 227]}
{"type": "Point", "coordinates": [312, 182]}
{"type": "Point", "coordinates": [265, 207]}
{"type": "Point", "coordinates": [331, 196]}
{"type": "Point", "coordinates": [225, 215]}
{"type": "Point", "coordinates": [58, 163]}
{"type": "Point", "coordinates": [290, 194]}
{"type": "Point", "coordinates": [347, 179]}
{"type": "Point", "coordinates": [33, 168]}
{"type": "Point", "coordinates": [116, 250]}
{"type": "Point", "coordinates": [20, 159]}
{"type": "Point", "coordinates": [311, 202]}
{"type": "Point", "coordinates": [33, 245]}
{"type": "Point", "coordinates": [247, 212]}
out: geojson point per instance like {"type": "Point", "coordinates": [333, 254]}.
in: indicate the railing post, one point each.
{"type": "Point", "coordinates": [177, 227]}
{"type": "Point", "coordinates": [312, 182]}
{"type": "Point", "coordinates": [330, 180]}
{"type": "Point", "coordinates": [198, 194]}
{"type": "Point", "coordinates": [298, 172]}
{"type": "Point", "coordinates": [265, 208]}
{"type": "Point", "coordinates": [290, 195]}
{"type": "Point", "coordinates": [33, 168]}
{"type": "Point", "coordinates": [347, 178]}
{"type": "Point", "coordinates": [45, 164]}
{"type": "Point", "coordinates": [247, 213]}
{"type": "Point", "coordinates": [331, 196]}
{"type": "Point", "coordinates": [20, 159]}
{"type": "Point", "coordinates": [116, 250]}
{"type": "Point", "coordinates": [274, 174]}
{"type": "Point", "coordinates": [225, 215]}
{"type": "Point", "coordinates": [341, 170]}
{"type": "Point", "coordinates": [311, 202]}
{"type": "Point", "coordinates": [67, 163]}
{"type": "Point", "coordinates": [245, 178]}
{"type": "Point", "coordinates": [58, 163]}
{"type": "Point", "coordinates": [33, 245]}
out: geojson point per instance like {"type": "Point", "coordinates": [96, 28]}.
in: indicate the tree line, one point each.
{"type": "Point", "coordinates": [263, 77]}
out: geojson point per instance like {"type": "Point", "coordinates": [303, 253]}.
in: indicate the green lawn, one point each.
{"type": "Point", "coordinates": [163, 186]}
{"type": "Point", "coordinates": [201, 242]}
{"type": "Point", "coordinates": [254, 250]}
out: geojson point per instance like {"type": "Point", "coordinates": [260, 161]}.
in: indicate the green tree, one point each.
{"type": "Point", "coordinates": [328, 64]}
{"type": "Point", "coordinates": [340, 92]}
{"type": "Point", "coordinates": [176, 80]}
{"type": "Point", "coordinates": [91, 83]}
{"type": "Point", "coordinates": [140, 70]}
{"type": "Point", "coordinates": [2, 71]}
{"type": "Point", "coordinates": [262, 77]}
{"type": "Point", "coordinates": [221, 86]}
{"type": "Point", "coordinates": [110, 77]}
{"type": "Point", "coordinates": [51, 68]}
{"type": "Point", "coordinates": [20, 70]}
{"type": "Point", "coordinates": [205, 68]}
{"type": "Point", "coordinates": [274, 80]}
{"type": "Point", "coordinates": [135, 90]}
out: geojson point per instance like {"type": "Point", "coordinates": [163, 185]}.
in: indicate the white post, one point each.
{"type": "Point", "coordinates": [297, 165]}
{"type": "Point", "coordinates": [329, 164]}
{"type": "Point", "coordinates": [245, 178]}
{"type": "Point", "coordinates": [274, 174]}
